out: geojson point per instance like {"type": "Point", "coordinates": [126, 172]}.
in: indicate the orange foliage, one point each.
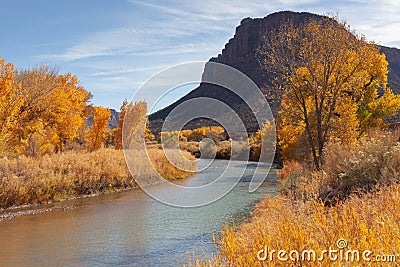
{"type": "Point", "coordinates": [44, 110]}
{"type": "Point", "coordinates": [99, 126]}
{"type": "Point", "coordinates": [118, 130]}
{"type": "Point", "coordinates": [331, 78]}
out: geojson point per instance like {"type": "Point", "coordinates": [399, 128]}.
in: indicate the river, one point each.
{"type": "Point", "coordinates": [125, 229]}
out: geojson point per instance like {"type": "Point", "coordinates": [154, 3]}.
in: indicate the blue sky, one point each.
{"type": "Point", "coordinates": [113, 46]}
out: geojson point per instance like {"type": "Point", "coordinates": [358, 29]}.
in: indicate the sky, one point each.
{"type": "Point", "coordinates": [114, 46]}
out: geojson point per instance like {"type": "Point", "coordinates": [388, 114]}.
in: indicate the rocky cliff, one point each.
{"type": "Point", "coordinates": [241, 53]}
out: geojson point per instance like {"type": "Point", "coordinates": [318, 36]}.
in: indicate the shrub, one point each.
{"type": "Point", "coordinates": [196, 135]}
{"type": "Point", "coordinates": [374, 160]}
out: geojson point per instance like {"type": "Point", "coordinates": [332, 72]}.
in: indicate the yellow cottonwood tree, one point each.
{"type": "Point", "coordinates": [71, 102]}
{"type": "Point", "coordinates": [10, 103]}
{"type": "Point", "coordinates": [53, 105]}
{"type": "Point", "coordinates": [99, 127]}
{"type": "Point", "coordinates": [118, 130]}
{"type": "Point", "coordinates": [136, 117]}
{"type": "Point", "coordinates": [40, 110]}
{"type": "Point", "coordinates": [331, 79]}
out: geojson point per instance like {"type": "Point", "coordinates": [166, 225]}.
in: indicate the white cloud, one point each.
{"type": "Point", "coordinates": [195, 26]}
{"type": "Point", "coordinates": [128, 70]}
{"type": "Point", "coordinates": [377, 20]}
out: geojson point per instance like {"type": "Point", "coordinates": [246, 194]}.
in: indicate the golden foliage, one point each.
{"type": "Point", "coordinates": [149, 137]}
{"type": "Point", "coordinates": [118, 130]}
{"type": "Point", "coordinates": [99, 127]}
{"type": "Point", "coordinates": [331, 78]}
{"type": "Point", "coordinates": [263, 141]}
{"type": "Point", "coordinates": [40, 110]}
{"type": "Point", "coordinates": [9, 106]}
{"type": "Point", "coordinates": [354, 198]}
{"type": "Point", "coordinates": [195, 135]}
{"type": "Point", "coordinates": [373, 160]}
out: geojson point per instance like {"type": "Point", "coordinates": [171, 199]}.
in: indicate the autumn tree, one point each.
{"type": "Point", "coordinates": [134, 128]}
{"type": "Point", "coordinates": [53, 106]}
{"type": "Point", "coordinates": [72, 112]}
{"type": "Point", "coordinates": [10, 103]}
{"type": "Point", "coordinates": [118, 130]}
{"type": "Point", "coordinates": [147, 132]}
{"type": "Point", "coordinates": [99, 126]}
{"type": "Point", "coordinates": [40, 110]}
{"type": "Point", "coordinates": [263, 143]}
{"type": "Point", "coordinates": [137, 109]}
{"type": "Point", "coordinates": [330, 79]}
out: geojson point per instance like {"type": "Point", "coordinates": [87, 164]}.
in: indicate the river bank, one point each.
{"type": "Point", "coordinates": [57, 177]}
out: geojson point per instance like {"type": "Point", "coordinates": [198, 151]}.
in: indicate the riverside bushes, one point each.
{"type": "Point", "coordinates": [53, 177]}
{"type": "Point", "coordinates": [374, 160]}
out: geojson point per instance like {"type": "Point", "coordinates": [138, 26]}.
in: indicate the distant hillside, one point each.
{"type": "Point", "coordinates": [113, 121]}
{"type": "Point", "coordinates": [393, 57]}
{"type": "Point", "coordinates": [240, 53]}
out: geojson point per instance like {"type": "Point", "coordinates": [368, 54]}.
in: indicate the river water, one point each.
{"type": "Point", "coordinates": [127, 228]}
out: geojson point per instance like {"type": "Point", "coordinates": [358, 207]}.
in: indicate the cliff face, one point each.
{"type": "Point", "coordinates": [241, 53]}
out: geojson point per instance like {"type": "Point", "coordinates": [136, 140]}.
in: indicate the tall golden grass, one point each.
{"type": "Point", "coordinates": [367, 222]}
{"type": "Point", "coordinates": [53, 177]}
{"type": "Point", "coordinates": [355, 199]}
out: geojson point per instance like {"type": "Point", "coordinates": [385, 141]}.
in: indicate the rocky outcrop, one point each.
{"type": "Point", "coordinates": [241, 53]}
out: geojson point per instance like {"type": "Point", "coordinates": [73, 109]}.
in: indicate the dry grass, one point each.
{"type": "Point", "coordinates": [26, 180]}
{"type": "Point", "coordinates": [368, 222]}
{"type": "Point", "coordinates": [191, 147]}
{"type": "Point", "coordinates": [297, 181]}
{"type": "Point", "coordinates": [355, 198]}
{"type": "Point", "coordinates": [176, 170]}
{"type": "Point", "coordinates": [373, 161]}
